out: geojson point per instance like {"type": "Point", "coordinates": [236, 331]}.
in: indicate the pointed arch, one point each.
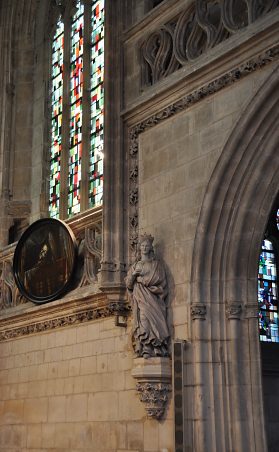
{"type": "Point", "coordinates": [230, 229]}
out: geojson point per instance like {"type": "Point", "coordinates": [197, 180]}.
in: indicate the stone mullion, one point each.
{"type": "Point", "coordinates": [85, 108]}
{"type": "Point", "coordinates": [65, 118]}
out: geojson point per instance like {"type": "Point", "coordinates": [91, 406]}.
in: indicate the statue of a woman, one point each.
{"type": "Point", "coordinates": [146, 282]}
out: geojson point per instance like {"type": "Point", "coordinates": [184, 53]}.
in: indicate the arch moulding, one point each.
{"type": "Point", "coordinates": [228, 413]}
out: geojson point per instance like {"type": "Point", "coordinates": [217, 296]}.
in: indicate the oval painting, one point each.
{"type": "Point", "coordinates": [44, 260]}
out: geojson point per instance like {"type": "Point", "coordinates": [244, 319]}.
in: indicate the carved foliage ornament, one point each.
{"type": "Point", "coordinates": [234, 310]}
{"type": "Point", "coordinates": [199, 28]}
{"type": "Point", "coordinates": [198, 311]}
{"type": "Point", "coordinates": [107, 310]}
{"type": "Point", "coordinates": [155, 397]}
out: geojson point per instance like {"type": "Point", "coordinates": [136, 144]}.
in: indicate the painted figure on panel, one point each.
{"type": "Point", "coordinates": [147, 285]}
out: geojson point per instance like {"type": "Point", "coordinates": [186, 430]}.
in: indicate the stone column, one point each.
{"type": "Point", "coordinates": [16, 100]}
{"type": "Point", "coordinates": [114, 230]}
{"type": "Point", "coordinates": [7, 91]}
{"type": "Point", "coordinates": [201, 391]}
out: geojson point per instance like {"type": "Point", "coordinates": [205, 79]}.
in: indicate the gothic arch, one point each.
{"type": "Point", "coordinates": [231, 225]}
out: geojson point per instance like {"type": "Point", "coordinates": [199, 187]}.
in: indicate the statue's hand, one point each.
{"type": "Point", "coordinates": [140, 279]}
{"type": "Point", "coordinates": [136, 273]}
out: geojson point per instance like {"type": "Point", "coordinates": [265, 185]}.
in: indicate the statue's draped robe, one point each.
{"type": "Point", "coordinates": [149, 291]}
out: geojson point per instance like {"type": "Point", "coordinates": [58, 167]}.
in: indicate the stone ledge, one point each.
{"type": "Point", "coordinates": [61, 313]}
{"type": "Point", "coordinates": [152, 369]}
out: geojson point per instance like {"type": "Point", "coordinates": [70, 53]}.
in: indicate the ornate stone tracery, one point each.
{"type": "Point", "coordinates": [92, 251]}
{"type": "Point", "coordinates": [9, 293]}
{"type": "Point", "coordinates": [199, 28]}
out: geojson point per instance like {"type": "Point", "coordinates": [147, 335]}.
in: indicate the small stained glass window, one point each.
{"type": "Point", "coordinates": [268, 283]}
{"type": "Point", "coordinates": [267, 294]}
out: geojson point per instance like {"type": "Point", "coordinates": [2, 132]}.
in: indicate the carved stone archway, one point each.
{"type": "Point", "coordinates": [228, 408]}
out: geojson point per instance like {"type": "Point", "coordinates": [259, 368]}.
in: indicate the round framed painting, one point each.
{"type": "Point", "coordinates": [44, 260]}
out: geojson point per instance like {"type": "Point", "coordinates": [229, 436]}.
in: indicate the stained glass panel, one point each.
{"type": "Point", "coordinates": [267, 294]}
{"type": "Point", "coordinates": [56, 118]}
{"type": "Point", "coordinates": [97, 105]}
{"type": "Point", "coordinates": [72, 162]}
{"type": "Point", "coordinates": [76, 86]}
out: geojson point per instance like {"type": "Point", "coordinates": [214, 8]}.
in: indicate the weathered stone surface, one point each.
{"type": "Point", "coordinates": [175, 166]}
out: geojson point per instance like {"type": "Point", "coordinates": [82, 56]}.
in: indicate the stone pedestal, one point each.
{"type": "Point", "coordinates": [153, 376]}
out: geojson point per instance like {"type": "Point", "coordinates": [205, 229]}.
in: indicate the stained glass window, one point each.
{"type": "Point", "coordinates": [56, 118]}
{"type": "Point", "coordinates": [76, 85]}
{"type": "Point", "coordinates": [76, 167]}
{"type": "Point", "coordinates": [267, 294]}
{"type": "Point", "coordinates": [97, 105]}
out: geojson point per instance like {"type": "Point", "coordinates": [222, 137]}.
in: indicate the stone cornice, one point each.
{"type": "Point", "coordinates": [62, 313]}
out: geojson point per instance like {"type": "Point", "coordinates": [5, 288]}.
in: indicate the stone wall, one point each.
{"type": "Point", "coordinates": [176, 161]}
{"type": "Point", "coordinates": [72, 390]}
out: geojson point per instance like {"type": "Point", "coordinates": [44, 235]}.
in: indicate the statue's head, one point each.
{"type": "Point", "coordinates": [146, 244]}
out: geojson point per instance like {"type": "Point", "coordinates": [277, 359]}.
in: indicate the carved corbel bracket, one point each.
{"type": "Point", "coordinates": [153, 378]}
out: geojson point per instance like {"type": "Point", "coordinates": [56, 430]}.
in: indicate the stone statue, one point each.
{"type": "Point", "coordinates": [147, 286]}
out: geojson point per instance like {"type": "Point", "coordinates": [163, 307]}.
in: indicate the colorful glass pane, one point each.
{"type": "Point", "coordinates": [76, 86]}
{"type": "Point", "coordinates": [267, 294]}
{"type": "Point", "coordinates": [97, 105]}
{"type": "Point", "coordinates": [56, 118]}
